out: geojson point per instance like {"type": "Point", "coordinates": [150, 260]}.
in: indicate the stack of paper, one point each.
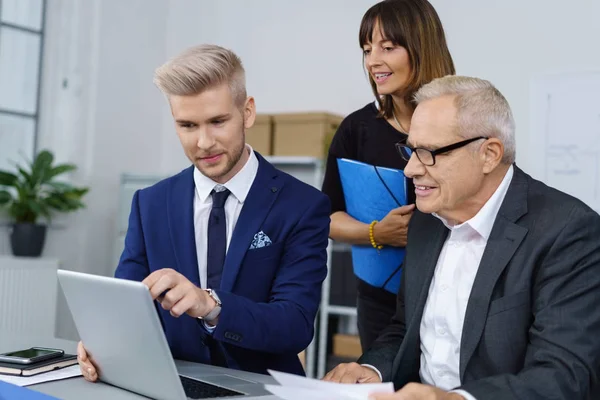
{"type": "Point", "coordinates": [56, 375]}
{"type": "Point", "coordinates": [294, 387]}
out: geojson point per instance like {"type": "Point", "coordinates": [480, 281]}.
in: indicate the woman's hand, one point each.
{"type": "Point", "coordinates": [393, 229]}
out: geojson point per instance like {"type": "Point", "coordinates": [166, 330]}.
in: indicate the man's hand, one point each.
{"type": "Point", "coordinates": [181, 297]}
{"type": "Point", "coordinates": [352, 373]}
{"type": "Point", "coordinates": [417, 391]}
{"type": "Point", "coordinates": [88, 369]}
{"type": "Point", "coordinates": [393, 228]}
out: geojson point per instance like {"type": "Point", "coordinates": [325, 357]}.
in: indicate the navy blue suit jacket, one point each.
{"type": "Point", "coordinates": [270, 295]}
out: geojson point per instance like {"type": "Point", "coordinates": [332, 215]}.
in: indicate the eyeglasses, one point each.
{"type": "Point", "coordinates": [426, 156]}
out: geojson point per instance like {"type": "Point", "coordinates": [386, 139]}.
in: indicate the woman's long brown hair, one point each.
{"type": "Point", "coordinates": [414, 25]}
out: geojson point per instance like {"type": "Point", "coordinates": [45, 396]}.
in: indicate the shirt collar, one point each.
{"type": "Point", "coordinates": [483, 221]}
{"type": "Point", "coordinates": [239, 185]}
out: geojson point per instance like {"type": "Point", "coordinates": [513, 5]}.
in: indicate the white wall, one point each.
{"type": "Point", "coordinates": [100, 111]}
{"type": "Point", "coordinates": [304, 55]}
{"type": "Point", "coordinates": [299, 56]}
{"type": "Point", "coordinates": [510, 42]}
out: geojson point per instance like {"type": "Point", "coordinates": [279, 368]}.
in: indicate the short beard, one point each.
{"type": "Point", "coordinates": [236, 155]}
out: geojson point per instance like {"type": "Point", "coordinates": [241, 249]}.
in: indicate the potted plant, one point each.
{"type": "Point", "coordinates": [33, 193]}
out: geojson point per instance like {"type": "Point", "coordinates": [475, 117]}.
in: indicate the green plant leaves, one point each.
{"type": "Point", "coordinates": [21, 212]}
{"type": "Point", "coordinates": [34, 207]}
{"type": "Point", "coordinates": [37, 194]}
{"type": "Point", "coordinates": [61, 186]}
{"type": "Point", "coordinates": [41, 166]}
{"type": "Point", "coordinates": [58, 170]}
{"type": "Point", "coordinates": [27, 180]}
{"type": "Point", "coordinates": [5, 197]}
{"type": "Point", "coordinates": [67, 200]}
{"type": "Point", "coordinates": [7, 179]}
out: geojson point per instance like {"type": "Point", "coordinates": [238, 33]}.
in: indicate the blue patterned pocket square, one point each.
{"type": "Point", "coordinates": [260, 240]}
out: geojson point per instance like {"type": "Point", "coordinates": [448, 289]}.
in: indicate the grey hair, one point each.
{"type": "Point", "coordinates": [202, 67]}
{"type": "Point", "coordinates": [481, 109]}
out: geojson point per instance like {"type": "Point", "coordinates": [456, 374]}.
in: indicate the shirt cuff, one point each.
{"type": "Point", "coordinates": [464, 394]}
{"type": "Point", "coordinates": [211, 328]}
{"type": "Point", "coordinates": [379, 373]}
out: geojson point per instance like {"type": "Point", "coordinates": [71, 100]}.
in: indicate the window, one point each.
{"type": "Point", "coordinates": [21, 46]}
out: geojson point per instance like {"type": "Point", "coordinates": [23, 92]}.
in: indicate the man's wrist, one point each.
{"type": "Point", "coordinates": [212, 317]}
{"type": "Point", "coordinates": [372, 368]}
{"type": "Point", "coordinates": [214, 308]}
{"type": "Point", "coordinates": [455, 396]}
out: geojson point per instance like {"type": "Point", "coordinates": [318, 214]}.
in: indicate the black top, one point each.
{"type": "Point", "coordinates": [364, 137]}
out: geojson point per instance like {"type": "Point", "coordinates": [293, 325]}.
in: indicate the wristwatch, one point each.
{"type": "Point", "coordinates": [215, 311]}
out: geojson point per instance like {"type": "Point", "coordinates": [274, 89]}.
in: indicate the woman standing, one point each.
{"type": "Point", "coordinates": [404, 47]}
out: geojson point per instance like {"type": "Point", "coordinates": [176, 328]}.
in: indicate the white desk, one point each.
{"type": "Point", "coordinates": [78, 388]}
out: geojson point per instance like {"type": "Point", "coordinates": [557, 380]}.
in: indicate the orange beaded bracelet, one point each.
{"type": "Point", "coordinates": [372, 236]}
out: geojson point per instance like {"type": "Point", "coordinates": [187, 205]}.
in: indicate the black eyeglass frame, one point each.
{"type": "Point", "coordinates": [413, 150]}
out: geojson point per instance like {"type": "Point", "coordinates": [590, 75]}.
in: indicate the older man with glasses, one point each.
{"type": "Point", "coordinates": [501, 288]}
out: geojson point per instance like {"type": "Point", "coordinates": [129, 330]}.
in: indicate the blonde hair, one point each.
{"type": "Point", "coordinates": [199, 68]}
{"type": "Point", "coordinates": [481, 109]}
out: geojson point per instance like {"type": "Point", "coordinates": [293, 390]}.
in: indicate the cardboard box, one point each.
{"type": "Point", "coordinates": [260, 136]}
{"type": "Point", "coordinates": [304, 134]}
{"type": "Point", "coordinates": [346, 346]}
{"type": "Point", "coordinates": [302, 357]}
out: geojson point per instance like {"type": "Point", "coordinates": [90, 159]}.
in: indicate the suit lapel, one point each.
{"type": "Point", "coordinates": [430, 244]}
{"type": "Point", "coordinates": [505, 238]}
{"type": "Point", "coordinates": [180, 208]}
{"type": "Point", "coordinates": [436, 236]}
{"type": "Point", "coordinates": [263, 193]}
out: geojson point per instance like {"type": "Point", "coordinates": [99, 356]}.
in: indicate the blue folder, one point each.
{"type": "Point", "coordinates": [367, 199]}
{"type": "Point", "coordinates": [10, 391]}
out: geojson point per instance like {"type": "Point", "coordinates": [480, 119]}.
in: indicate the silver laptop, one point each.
{"type": "Point", "coordinates": [119, 326]}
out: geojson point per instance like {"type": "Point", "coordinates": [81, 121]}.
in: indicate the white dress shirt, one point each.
{"type": "Point", "coordinates": [239, 186]}
{"type": "Point", "coordinates": [444, 314]}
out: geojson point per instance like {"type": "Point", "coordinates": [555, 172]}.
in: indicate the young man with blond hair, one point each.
{"type": "Point", "coordinates": [233, 250]}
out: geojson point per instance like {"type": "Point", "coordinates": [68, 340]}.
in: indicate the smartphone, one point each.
{"type": "Point", "coordinates": [30, 356]}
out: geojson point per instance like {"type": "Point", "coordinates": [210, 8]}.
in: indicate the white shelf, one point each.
{"type": "Point", "coordinates": [337, 246]}
{"type": "Point", "coordinates": [341, 310]}
{"type": "Point", "coordinates": [291, 160]}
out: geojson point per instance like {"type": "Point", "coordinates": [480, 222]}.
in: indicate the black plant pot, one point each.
{"type": "Point", "coordinates": [27, 240]}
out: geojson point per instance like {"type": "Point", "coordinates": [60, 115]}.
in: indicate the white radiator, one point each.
{"type": "Point", "coordinates": [28, 289]}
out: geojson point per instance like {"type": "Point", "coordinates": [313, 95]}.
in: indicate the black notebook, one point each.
{"type": "Point", "coordinates": [65, 360]}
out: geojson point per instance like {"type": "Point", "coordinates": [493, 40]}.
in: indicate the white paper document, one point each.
{"type": "Point", "coordinates": [55, 375]}
{"type": "Point", "coordinates": [294, 387]}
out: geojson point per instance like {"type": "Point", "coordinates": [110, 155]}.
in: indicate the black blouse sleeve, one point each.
{"type": "Point", "coordinates": [343, 145]}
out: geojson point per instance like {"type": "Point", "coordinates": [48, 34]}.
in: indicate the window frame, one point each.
{"type": "Point", "coordinates": [41, 33]}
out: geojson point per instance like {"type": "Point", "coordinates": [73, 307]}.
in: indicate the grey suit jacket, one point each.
{"type": "Point", "coordinates": [532, 324]}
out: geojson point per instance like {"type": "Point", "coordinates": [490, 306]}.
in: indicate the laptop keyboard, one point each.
{"type": "Point", "coordinates": [201, 390]}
